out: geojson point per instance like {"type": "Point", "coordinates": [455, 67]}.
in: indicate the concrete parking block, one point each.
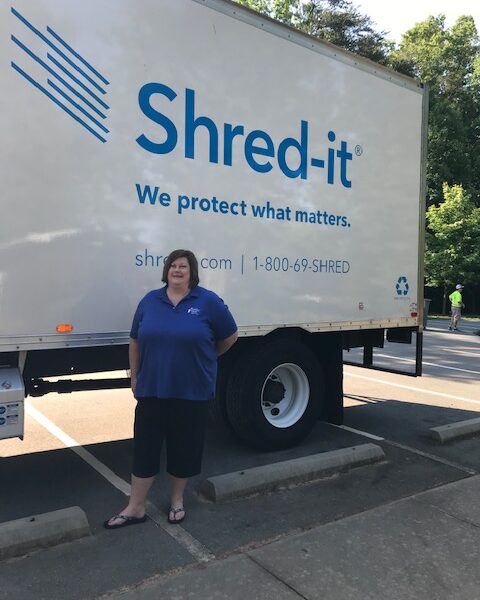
{"type": "Point", "coordinates": [453, 431]}
{"type": "Point", "coordinates": [41, 531]}
{"type": "Point", "coordinates": [300, 470]}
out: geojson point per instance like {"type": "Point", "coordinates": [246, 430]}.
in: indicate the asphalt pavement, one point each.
{"type": "Point", "coordinates": [423, 547]}
{"type": "Point", "coordinates": [404, 527]}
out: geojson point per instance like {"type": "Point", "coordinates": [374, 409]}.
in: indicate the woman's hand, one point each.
{"type": "Point", "coordinates": [226, 344]}
{"type": "Point", "coordinates": [134, 360]}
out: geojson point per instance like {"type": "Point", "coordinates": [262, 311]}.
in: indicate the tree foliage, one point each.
{"type": "Point", "coordinates": [342, 24]}
{"type": "Point", "coordinates": [448, 61]}
{"type": "Point", "coordinates": [285, 11]}
{"type": "Point", "coordinates": [453, 239]}
{"type": "Point", "coordinates": [336, 21]}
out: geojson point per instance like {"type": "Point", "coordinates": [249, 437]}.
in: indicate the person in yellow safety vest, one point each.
{"type": "Point", "coordinates": [457, 305]}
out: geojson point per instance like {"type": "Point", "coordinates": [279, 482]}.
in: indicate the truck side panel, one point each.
{"type": "Point", "coordinates": [294, 174]}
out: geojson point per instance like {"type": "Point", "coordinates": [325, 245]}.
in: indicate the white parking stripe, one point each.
{"type": "Point", "coordinates": [453, 334]}
{"type": "Point", "coordinates": [430, 364]}
{"type": "Point", "coordinates": [182, 537]}
{"type": "Point", "coordinates": [69, 442]}
{"type": "Point", "coordinates": [411, 388]}
{"type": "Point", "coordinates": [196, 548]}
{"type": "Point", "coordinates": [364, 433]}
{"type": "Point", "coordinates": [463, 326]}
{"type": "Point", "coordinates": [433, 457]}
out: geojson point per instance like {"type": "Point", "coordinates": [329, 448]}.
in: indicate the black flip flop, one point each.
{"type": "Point", "coordinates": [175, 511]}
{"type": "Point", "coordinates": [125, 521]}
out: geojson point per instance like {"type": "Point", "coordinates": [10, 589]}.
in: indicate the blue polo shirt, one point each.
{"type": "Point", "coordinates": [178, 356]}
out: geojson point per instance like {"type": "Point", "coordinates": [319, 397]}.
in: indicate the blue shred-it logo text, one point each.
{"type": "Point", "coordinates": [69, 81]}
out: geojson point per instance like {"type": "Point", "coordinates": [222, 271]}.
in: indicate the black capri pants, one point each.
{"type": "Point", "coordinates": [181, 423]}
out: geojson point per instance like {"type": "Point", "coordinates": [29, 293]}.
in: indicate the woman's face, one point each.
{"type": "Point", "coordinates": [179, 273]}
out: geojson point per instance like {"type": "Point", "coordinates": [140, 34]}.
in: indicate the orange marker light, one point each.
{"type": "Point", "coordinates": [64, 328]}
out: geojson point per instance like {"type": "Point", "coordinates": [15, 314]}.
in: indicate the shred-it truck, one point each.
{"type": "Point", "coordinates": [293, 169]}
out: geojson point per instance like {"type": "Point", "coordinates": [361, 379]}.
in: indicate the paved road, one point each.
{"type": "Point", "coordinates": [77, 452]}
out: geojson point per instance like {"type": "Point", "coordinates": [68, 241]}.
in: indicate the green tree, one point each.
{"type": "Point", "coordinates": [336, 21]}
{"type": "Point", "coordinates": [285, 11]}
{"type": "Point", "coordinates": [341, 23]}
{"type": "Point", "coordinates": [452, 241]}
{"type": "Point", "coordinates": [448, 61]}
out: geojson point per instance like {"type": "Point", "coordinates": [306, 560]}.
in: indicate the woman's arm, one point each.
{"type": "Point", "coordinates": [226, 344]}
{"type": "Point", "coordinates": [134, 360]}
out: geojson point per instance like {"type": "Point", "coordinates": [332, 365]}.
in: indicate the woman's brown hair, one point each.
{"type": "Point", "coordinates": [192, 261]}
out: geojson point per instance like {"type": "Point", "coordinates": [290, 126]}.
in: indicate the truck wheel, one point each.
{"type": "Point", "coordinates": [274, 395]}
{"type": "Point", "coordinates": [218, 408]}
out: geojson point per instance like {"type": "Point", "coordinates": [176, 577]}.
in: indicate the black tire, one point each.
{"type": "Point", "coordinates": [218, 408]}
{"type": "Point", "coordinates": [274, 412]}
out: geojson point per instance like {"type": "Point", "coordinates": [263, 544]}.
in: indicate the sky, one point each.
{"type": "Point", "coordinates": [397, 16]}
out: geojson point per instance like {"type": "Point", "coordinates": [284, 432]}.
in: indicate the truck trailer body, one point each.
{"type": "Point", "coordinates": [293, 169]}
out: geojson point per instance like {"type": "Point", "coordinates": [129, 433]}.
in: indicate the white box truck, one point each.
{"type": "Point", "coordinates": [293, 169]}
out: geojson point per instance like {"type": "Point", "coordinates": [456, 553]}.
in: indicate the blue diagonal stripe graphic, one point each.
{"type": "Point", "coordinates": [77, 81]}
{"type": "Point", "coordinates": [54, 73]}
{"type": "Point", "coordinates": [80, 97]}
{"type": "Point", "coordinates": [56, 101]}
{"type": "Point", "coordinates": [54, 47]}
{"type": "Point", "coordinates": [77, 55]}
{"type": "Point", "coordinates": [76, 105]}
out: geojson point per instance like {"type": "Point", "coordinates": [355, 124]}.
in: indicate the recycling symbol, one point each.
{"type": "Point", "coordinates": [402, 286]}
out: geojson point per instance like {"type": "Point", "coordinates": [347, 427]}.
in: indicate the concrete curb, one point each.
{"type": "Point", "coordinates": [299, 470]}
{"type": "Point", "coordinates": [452, 431]}
{"type": "Point", "coordinates": [41, 531]}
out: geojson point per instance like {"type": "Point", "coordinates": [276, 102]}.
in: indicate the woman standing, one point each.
{"type": "Point", "coordinates": [177, 334]}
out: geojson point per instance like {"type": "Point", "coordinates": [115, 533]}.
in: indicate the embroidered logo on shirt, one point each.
{"type": "Point", "coordinates": [193, 311]}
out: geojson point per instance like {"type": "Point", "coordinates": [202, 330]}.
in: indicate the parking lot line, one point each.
{"type": "Point", "coordinates": [182, 537]}
{"type": "Point", "coordinates": [410, 387]}
{"type": "Point", "coordinates": [430, 364]}
{"type": "Point", "coordinates": [433, 457]}
{"type": "Point", "coordinates": [179, 534]}
{"type": "Point", "coordinates": [364, 433]}
{"type": "Point", "coordinates": [412, 449]}
{"type": "Point", "coordinates": [80, 451]}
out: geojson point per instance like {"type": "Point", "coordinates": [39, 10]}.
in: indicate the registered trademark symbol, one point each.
{"type": "Point", "coordinates": [358, 150]}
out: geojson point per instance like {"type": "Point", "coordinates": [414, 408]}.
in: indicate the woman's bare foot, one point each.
{"type": "Point", "coordinates": [176, 515]}
{"type": "Point", "coordinates": [130, 513]}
